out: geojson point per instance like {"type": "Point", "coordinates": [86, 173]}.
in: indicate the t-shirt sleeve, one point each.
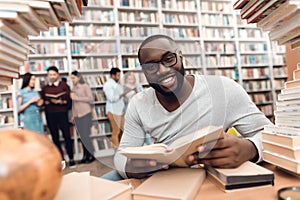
{"type": "Point", "coordinates": [242, 111]}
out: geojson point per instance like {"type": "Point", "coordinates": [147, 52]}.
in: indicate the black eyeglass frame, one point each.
{"type": "Point", "coordinates": [156, 64]}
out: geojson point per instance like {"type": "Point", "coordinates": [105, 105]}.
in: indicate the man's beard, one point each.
{"type": "Point", "coordinates": [180, 78]}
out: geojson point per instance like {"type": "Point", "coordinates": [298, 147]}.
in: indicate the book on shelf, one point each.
{"type": "Point", "coordinates": [247, 175]}
{"type": "Point", "coordinates": [288, 151]}
{"type": "Point", "coordinates": [172, 184]}
{"type": "Point", "coordinates": [91, 188]}
{"type": "Point", "coordinates": [177, 152]}
{"type": "Point", "coordinates": [287, 8]}
{"type": "Point", "coordinates": [284, 162]}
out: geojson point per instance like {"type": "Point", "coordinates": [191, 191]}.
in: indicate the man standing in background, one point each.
{"type": "Point", "coordinates": [56, 99]}
{"type": "Point", "coordinates": [114, 93]}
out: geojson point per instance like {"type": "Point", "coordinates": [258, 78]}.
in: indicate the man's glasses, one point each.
{"type": "Point", "coordinates": [168, 60]}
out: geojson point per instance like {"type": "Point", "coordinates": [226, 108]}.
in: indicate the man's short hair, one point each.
{"type": "Point", "coordinates": [155, 37]}
{"type": "Point", "coordinates": [114, 71]}
{"type": "Point", "coordinates": [52, 68]}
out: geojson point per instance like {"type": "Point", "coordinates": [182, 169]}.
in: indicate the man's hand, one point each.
{"type": "Point", "coordinates": [228, 152]}
{"type": "Point", "coordinates": [140, 168]}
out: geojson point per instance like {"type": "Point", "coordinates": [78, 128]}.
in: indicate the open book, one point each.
{"type": "Point", "coordinates": [177, 152]}
{"type": "Point", "coordinates": [55, 96]}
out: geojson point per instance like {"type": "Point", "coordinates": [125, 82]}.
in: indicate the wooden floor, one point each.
{"type": "Point", "coordinates": [97, 168]}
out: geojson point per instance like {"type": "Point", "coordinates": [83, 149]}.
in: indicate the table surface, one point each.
{"type": "Point", "coordinates": [209, 191]}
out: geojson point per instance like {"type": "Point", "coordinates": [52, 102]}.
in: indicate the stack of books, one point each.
{"type": "Point", "coordinates": [281, 143]}
{"type": "Point", "coordinates": [19, 19]}
{"type": "Point", "coordinates": [279, 17]}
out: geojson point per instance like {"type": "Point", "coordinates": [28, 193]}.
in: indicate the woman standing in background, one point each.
{"type": "Point", "coordinates": [82, 98]}
{"type": "Point", "coordinates": [29, 102]}
{"type": "Point", "coordinates": [132, 86]}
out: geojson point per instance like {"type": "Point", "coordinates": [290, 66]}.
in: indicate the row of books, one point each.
{"type": "Point", "coordinates": [266, 109]}
{"type": "Point", "coordinates": [257, 85]}
{"type": "Point", "coordinates": [93, 63]}
{"type": "Point", "coordinates": [93, 48]}
{"type": "Point", "coordinates": [217, 19]}
{"type": "Point", "coordinates": [5, 102]}
{"type": "Point", "coordinates": [99, 96]}
{"type": "Point", "coordinates": [137, 31]}
{"type": "Point", "coordinates": [6, 118]}
{"type": "Point", "coordinates": [279, 18]}
{"type": "Point", "coordinates": [254, 60]}
{"type": "Point", "coordinates": [224, 72]}
{"type": "Point", "coordinates": [50, 48]}
{"type": "Point", "coordinates": [261, 98]}
{"type": "Point", "coordinates": [98, 16]}
{"type": "Point", "coordinates": [148, 17]}
{"type": "Point", "coordinates": [101, 129]}
{"type": "Point", "coordinates": [91, 30]}
{"type": "Point", "coordinates": [54, 32]}
{"type": "Point", "coordinates": [101, 2]}
{"type": "Point", "coordinates": [216, 6]}
{"type": "Point", "coordinates": [218, 32]}
{"type": "Point", "coordinates": [179, 5]}
{"type": "Point", "coordinates": [219, 47]}
{"type": "Point", "coordinates": [220, 61]}
{"type": "Point", "coordinates": [192, 62]}
{"type": "Point", "coordinates": [43, 65]}
{"type": "Point", "coordinates": [255, 72]}
{"type": "Point", "coordinates": [139, 3]}
{"type": "Point", "coordinates": [180, 18]}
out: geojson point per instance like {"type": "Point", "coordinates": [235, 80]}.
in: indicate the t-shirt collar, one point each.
{"type": "Point", "coordinates": [55, 83]}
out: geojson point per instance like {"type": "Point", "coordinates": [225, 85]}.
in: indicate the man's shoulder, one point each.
{"type": "Point", "coordinates": [144, 96]}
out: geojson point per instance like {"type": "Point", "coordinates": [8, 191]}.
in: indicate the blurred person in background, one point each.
{"type": "Point", "coordinates": [132, 85]}
{"type": "Point", "coordinates": [56, 99]}
{"type": "Point", "coordinates": [82, 98]}
{"type": "Point", "coordinates": [29, 105]}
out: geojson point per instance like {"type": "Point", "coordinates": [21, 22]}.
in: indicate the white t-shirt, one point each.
{"type": "Point", "coordinates": [214, 100]}
{"type": "Point", "coordinates": [112, 91]}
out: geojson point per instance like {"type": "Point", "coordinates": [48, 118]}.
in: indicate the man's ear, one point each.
{"type": "Point", "coordinates": [180, 54]}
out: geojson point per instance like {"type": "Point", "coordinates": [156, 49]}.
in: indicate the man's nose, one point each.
{"type": "Point", "coordinates": [162, 69]}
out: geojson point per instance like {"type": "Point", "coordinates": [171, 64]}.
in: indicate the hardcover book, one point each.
{"type": "Point", "coordinates": [246, 175]}
{"type": "Point", "coordinates": [291, 152]}
{"type": "Point", "coordinates": [284, 162]}
{"type": "Point", "coordinates": [172, 184]}
{"type": "Point", "coordinates": [177, 152]}
{"type": "Point", "coordinates": [82, 186]}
